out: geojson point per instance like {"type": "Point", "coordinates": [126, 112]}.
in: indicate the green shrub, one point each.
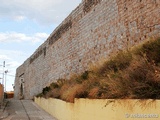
{"type": "Point", "coordinates": [54, 85]}
{"type": "Point", "coordinates": [46, 90]}
{"type": "Point", "coordinates": [151, 50]}
{"type": "Point", "coordinates": [84, 76]}
{"type": "Point", "coordinates": [39, 95]}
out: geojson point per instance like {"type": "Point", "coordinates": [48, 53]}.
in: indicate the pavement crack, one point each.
{"type": "Point", "coordinates": [25, 111]}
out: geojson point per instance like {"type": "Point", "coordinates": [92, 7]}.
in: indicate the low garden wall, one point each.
{"type": "Point", "coordinates": [101, 109]}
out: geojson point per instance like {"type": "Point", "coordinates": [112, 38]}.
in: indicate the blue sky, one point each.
{"type": "Point", "coordinates": [24, 25]}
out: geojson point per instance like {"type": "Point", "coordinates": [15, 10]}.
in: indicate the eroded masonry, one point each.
{"type": "Point", "coordinates": [94, 30]}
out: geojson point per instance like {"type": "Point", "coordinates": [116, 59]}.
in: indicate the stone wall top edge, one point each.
{"type": "Point", "coordinates": [20, 70]}
{"type": "Point", "coordinates": [67, 18]}
{"type": "Point", "coordinates": [27, 60]}
{"type": "Point", "coordinates": [45, 44]}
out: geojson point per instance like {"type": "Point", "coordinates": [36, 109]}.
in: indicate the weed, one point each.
{"type": "Point", "coordinates": [129, 74]}
{"type": "Point", "coordinates": [39, 95]}
{"type": "Point", "coordinates": [119, 62]}
{"type": "Point", "coordinates": [46, 90]}
{"type": "Point", "coordinates": [94, 93]}
{"type": "Point", "coordinates": [54, 85]}
{"type": "Point", "coordinates": [54, 93]}
{"type": "Point", "coordinates": [76, 91]}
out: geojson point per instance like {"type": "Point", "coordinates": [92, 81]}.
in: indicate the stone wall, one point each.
{"type": "Point", "coordinates": [94, 30]}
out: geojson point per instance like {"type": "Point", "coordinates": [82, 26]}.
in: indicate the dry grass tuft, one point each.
{"type": "Point", "coordinates": [94, 93]}
{"type": "Point", "coordinates": [130, 74]}
{"type": "Point", "coordinates": [76, 91]}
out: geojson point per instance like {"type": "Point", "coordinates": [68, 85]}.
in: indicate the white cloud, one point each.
{"type": "Point", "coordinates": [12, 55]}
{"type": "Point", "coordinates": [19, 18]}
{"type": "Point", "coordinates": [41, 11]}
{"type": "Point", "coordinates": [12, 60]}
{"type": "Point", "coordinates": [13, 64]}
{"type": "Point", "coordinates": [4, 57]}
{"type": "Point", "coordinates": [10, 66]}
{"type": "Point", "coordinates": [21, 37]}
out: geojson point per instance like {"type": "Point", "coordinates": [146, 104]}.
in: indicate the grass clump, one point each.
{"type": "Point", "coordinates": [75, 91]}
{"type": "Point", "coordinates": [133, 74]}
{"type": "Point", "coordinates": [151, 50]}
{"type": "Point", "coordinates": [119, 62]}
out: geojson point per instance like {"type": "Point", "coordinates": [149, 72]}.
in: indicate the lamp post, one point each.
{"type": "Point", "coordinates": [6, 71]}
{"type": "Point", "coordinates": [3, 72]}
{"type": "Point", "coordinates": [3, 77]}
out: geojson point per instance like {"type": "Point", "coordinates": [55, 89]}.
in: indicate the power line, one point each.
{"type": "Point", "coordinates": [7, 74]}
{"type": "Point", "coordinates": [11, 75]}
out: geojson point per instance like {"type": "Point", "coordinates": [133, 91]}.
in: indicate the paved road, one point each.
{"type": "Point", "coordinates": [24, 110]}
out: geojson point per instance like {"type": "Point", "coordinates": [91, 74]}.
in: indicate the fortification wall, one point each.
{"type": "Point", "coordinates": [95, 29]}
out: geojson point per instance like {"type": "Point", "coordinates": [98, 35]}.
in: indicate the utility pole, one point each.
{"type": "Point", "coordinates": [3, 72]}
{"type": "Point", "coordinates": [5, 78]}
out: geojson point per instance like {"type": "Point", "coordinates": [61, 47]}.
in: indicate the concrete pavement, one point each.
{"type": "Point", "coordinates": [24, 110]}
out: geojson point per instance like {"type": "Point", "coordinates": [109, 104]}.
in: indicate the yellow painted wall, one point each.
{"type": "Point", "coordinates": [101, 109]}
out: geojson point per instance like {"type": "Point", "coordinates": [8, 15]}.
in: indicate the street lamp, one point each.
{"type": "Point", "coordinates": [6, 71]}
{"type": "Point", "coordinates": [3, 72]}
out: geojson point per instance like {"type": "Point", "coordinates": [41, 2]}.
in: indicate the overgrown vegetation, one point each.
{"type": "Point", "coordinates": [130, 74]}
